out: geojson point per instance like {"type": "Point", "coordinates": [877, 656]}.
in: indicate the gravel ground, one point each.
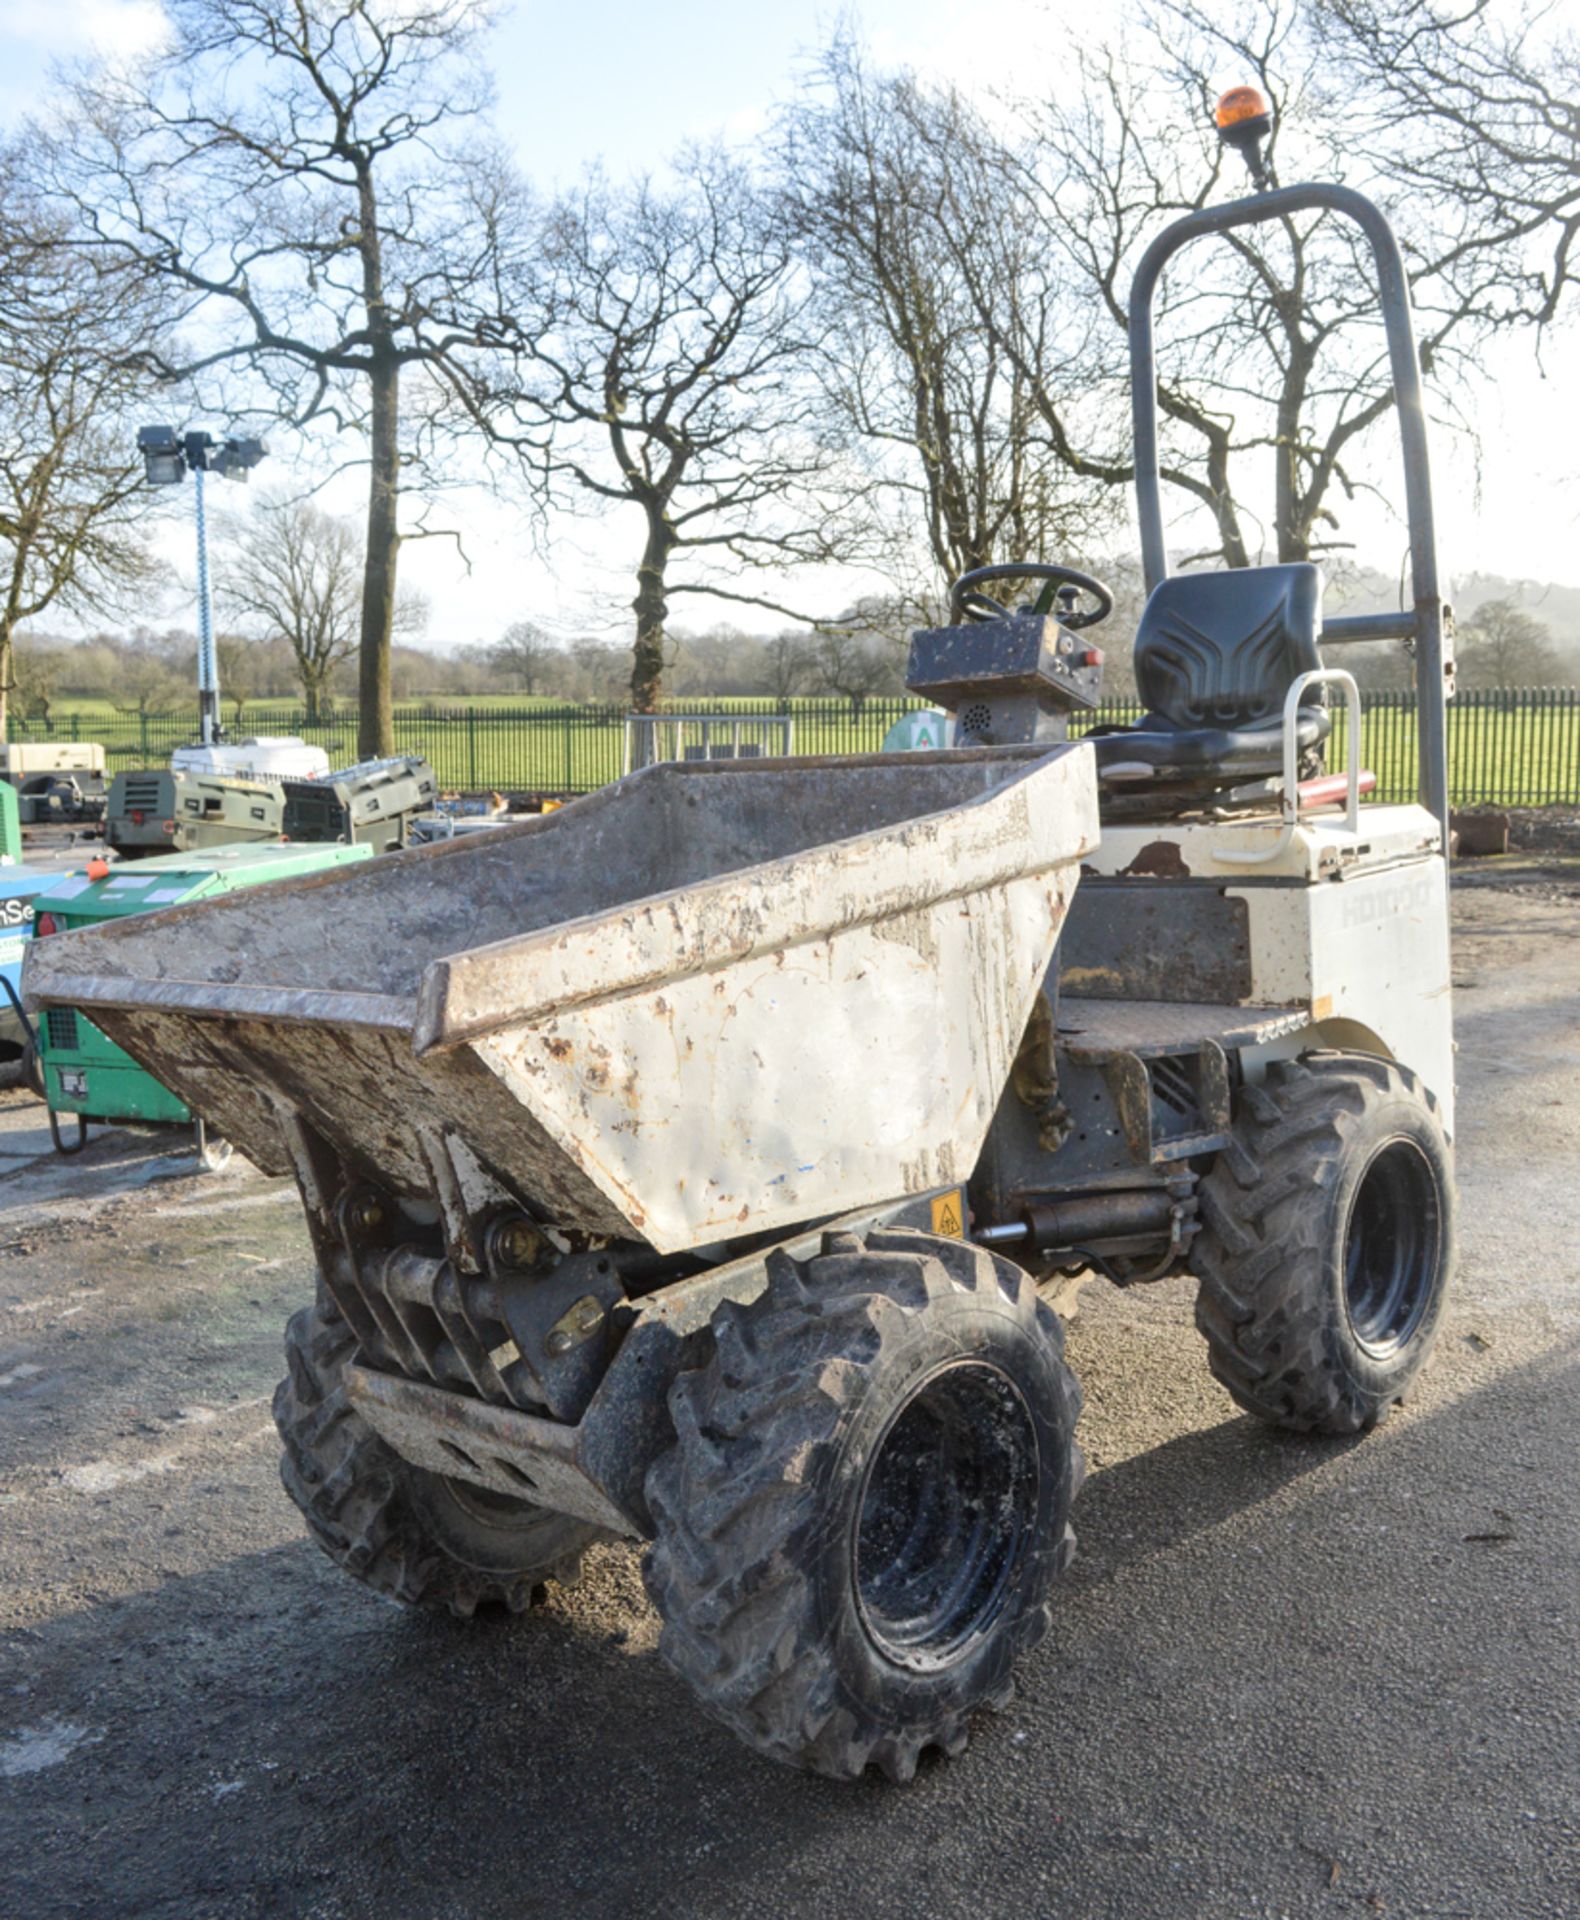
{"type": "Point", "coordinates": [1286, 1678]}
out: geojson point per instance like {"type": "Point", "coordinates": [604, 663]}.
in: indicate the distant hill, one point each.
{"type": "Point", "coordinates": [1365, 590]}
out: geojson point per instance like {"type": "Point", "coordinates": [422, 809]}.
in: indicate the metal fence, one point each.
{"type": "Point", "coordinates": [1505, 748]}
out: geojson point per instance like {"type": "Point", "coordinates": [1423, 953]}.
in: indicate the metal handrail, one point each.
{"type": "Point", "coordinates": [1319, 676]}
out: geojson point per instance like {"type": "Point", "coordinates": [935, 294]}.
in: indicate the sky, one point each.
{"type": "Point", "coordinates": [624, 82]}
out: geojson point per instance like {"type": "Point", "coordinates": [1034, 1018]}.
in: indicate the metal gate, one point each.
{"type": "Point", "coordinates": [706, 736]}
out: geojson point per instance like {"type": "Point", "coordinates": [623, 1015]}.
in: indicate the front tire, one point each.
{"type": "Point", "coordinates": [867, 1502]}
{"type": "Point", "coordinates": [1328, 1243]}
{"type": "Point", "coordinates": [414, 1536]}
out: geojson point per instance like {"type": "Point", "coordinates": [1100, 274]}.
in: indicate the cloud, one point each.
{"type": "Point", "coordinates": [67, 29]}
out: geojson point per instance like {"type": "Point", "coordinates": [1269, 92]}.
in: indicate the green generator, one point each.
{"type": "Point", "coordinates": [157, 811]}
{"type": "Point", "coordinates": [10, 824]}
{"type": "Point", "coordinates": [85, 1074]}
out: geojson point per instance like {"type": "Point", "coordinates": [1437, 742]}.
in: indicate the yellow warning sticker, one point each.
{"type": "Point", "coordinates": [949, 1214]}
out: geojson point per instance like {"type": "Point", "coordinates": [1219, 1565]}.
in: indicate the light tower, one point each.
{"type": "Point", "coordinates": [166, 459]}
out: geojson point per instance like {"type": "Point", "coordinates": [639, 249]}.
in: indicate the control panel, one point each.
{"type": "Point", "coordinates": [1007, 681]}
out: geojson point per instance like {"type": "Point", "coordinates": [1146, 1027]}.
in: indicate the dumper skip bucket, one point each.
{"type": "Point", "coordinates": [711, 1000]}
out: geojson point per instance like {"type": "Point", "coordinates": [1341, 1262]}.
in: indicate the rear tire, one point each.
{"type": "Point", "coordinates": [867, 1502]}
{"type": "Point", "coordinates": [414, 1536]}
{"type": "Point", "coordinates": [1327, 1244]}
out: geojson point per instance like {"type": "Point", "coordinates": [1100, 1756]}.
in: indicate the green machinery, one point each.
{"type": "Point", "coordinates": [84, 1073]}
{"type": "Point", "coordinates": [159, 811]}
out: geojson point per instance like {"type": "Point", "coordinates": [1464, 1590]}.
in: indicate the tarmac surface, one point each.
{"type": "Point", "coordinates": [1287, 1678]}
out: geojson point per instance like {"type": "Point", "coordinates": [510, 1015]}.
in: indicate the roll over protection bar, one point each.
{"type": "Point", "coordinates": [1428, 624]}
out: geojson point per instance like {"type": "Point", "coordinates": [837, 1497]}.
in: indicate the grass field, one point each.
{"type": "Point", "coordinates": [1503, 749]}
{"type": "Point", "coordinates": [1511, 749]}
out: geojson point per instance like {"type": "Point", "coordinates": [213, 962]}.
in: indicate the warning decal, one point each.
{"type": "Point", "coordinates": [949, 1214]}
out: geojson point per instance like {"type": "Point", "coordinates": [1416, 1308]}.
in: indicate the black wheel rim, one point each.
{"type": "Point", "coordinates": [947, 1508]}
{"type": "Point", "coordinates": [1391, 1246]}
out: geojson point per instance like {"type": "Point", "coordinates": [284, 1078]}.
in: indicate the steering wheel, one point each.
{"type": "Point", "coordinates": [968, 602]}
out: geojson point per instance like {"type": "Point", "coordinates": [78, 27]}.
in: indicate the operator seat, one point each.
{"type": "Point", "coordinates": [1215, 656]}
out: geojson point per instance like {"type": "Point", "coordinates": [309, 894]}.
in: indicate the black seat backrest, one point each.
{"type": "Point", "coordinates": [1223, 649]}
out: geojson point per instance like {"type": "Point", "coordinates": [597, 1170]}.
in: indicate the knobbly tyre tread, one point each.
{"type": "Point", "coordinates": [355, 1492]}
{"type": "Point", "coordinates": [737, 1499]}
{"type": "Point", "coordinates": [1269, 1330]}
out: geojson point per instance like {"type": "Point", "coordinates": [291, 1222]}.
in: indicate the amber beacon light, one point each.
{"type": "Point", "coordinates": [1244, 121]}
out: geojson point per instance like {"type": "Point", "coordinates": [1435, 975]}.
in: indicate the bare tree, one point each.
{"type": "Point", "coordinates": [1293, 355]}
{"type": "Point", "coordinates": [661, 347]}
{"type": "Point", "coordinates": [239, 678]}
{"type": "Point", "coordinates": [1041, 222]}
{"type": "Point", "coordinates": [147, 683]}
{"type": "Point", "coordinates": [914, 365]}
{"type": "Point", "coordinates": [294, 573]}
{"type": "Point", "coordinates": [1280, 353]}
{"type": "Point", "coordinates": [1504, 645]}
{"type": "Point", "coordinates": [312, 181]}
{"type": "Point", "coordinates": [600, 669]}
{"type": "Point", "coordinates": [789, 660]}
{"type": "Point", "coordinates": [1474, 107]}
{"type": "Point", "coordinates": [71, 494]}
{"type": "Point", "coordinates": [36, 679]}
{"type": "Point", "coordinates": [857, 659]}
{"type": "Point", "coordinates": [524, 652]}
